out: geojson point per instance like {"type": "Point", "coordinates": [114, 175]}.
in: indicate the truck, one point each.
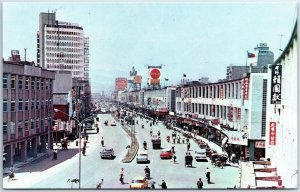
{"type": "Point", "coordinates": [156, 142]}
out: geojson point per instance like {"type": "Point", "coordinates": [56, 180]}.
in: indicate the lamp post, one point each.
{"type": "Point", "coordinates": [79, 123]}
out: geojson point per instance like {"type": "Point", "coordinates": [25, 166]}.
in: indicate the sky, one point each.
{"type": "Point", "coordinates": [198, 39]}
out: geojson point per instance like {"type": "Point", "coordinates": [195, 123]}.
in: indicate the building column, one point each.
{"type": "Point", "coordinates": [23, 151]}
{"type": "Point", "coordinates": [34, 147]}
{"type": "Point", "coordinates": [9, 155]}
{"type": "Point", "coordinates": [43, 143]}
{"type": "Point", "coordinates": [251, 149]}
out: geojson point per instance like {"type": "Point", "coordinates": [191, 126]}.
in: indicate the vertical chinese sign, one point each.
{"type": "Point", "coordinates": [276, 84]}
{"type": "Point", "coordinates": [221, 92]}
{"type": "Point", "coordinates": [272, 133]}
{"type": "Point", "coordinates": [246, 87]}
{"type": "Point", "coordinates": [239, 113]}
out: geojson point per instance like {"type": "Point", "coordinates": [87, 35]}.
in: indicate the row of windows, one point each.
{"type": "Point", "coordinates": [34, 124]}
{"type": "Point", "coordinates": [63, 49]}
{"type": "Point", "coordinates": [68, 61]}
{"type": "Point", "coordinates": [56, 43]}
{"type": "Point", "coordinates": [63, 32]}
{"type": "Point", "coordinates": [25, 105]}
{"type": "Point", "coordinates": [64, 55]}
{"type": "Point", "coordinates": [57, 66]}
{"type": "Point", "coordinates": [225, 91]}
{"type": "Point", "coordinates": [68, 38]}
{"type": "Point", "coordinates": [25, 82]}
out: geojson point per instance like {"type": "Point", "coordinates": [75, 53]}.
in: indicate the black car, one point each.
{"type": "Point", "coordinates": [107, 153]}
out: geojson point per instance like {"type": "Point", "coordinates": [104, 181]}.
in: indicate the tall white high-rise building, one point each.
{"type": "Point", "coordinates": [61, 46]}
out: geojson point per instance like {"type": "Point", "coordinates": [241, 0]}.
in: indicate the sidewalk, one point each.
{"type": "Point", "coordinates": [247, 178]}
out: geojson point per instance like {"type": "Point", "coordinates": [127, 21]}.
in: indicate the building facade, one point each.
{"type": "Point", "coordinates": [282, 114]}
{"type": "Point", "coordinates": [27, 110]}
{"type": "Point", "coordinates": [61, 46]}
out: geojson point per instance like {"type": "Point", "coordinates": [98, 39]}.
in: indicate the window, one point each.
{"type": "Point", "coordinates": [12, 106]}
{"type": "Point", "coordinates": [27, 83]}
{"type": "Point", "coordinates": [4, 129]}
{"type": "Point", "coordinates": [32, 124]}
{"type": "Point", "coordinates": [42, 104]}
{"type": "Point", "coordinates": [37, 105]}
{"type": "Point", "coordinates": [37, 124]}
{"type": "Point", "coordinates": [32, 104]}
{"type": "Point", "coordinates": [26, 105]}
{"type": "Point", "coordinates": [20, 106]}
{"type": "Point", "coordinates": [26, 125]}
{"type": "Point", "coordinates": [20, 128]}
{"type": "Point", "coordinates": [4, 79]}
{"type": "Point", "coordinates": [13, 82]}
{"type": "Point", "coordinates": [12, 127]}
{"type": "Point", "coordinates": [4, 105]}
{"type": "Point", "coordinates": [37, 83]}
{"type": "Point", "coordinates": [42, 84]}
{"type": "Point", "coordinates": [20, 82]}
{"type": "Point", "coordinates": [32, 82]}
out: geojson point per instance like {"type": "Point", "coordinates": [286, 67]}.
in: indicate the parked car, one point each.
{"type": "Point", "coordinates": [139, 183]}
{"type": "Point", "coordinates": [113, 123]}
{"type": "Point", "coordinates": [142, 157]}
{"type": "Point", "coordinates": [107, 153]}
{"type": "Point", "coordinates": [201, 155]}
{"type": "Point", "coordinates": [166, 154]}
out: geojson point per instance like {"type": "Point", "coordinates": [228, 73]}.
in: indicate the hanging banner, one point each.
{"type": "Point", "coordinates": [239, 113]}
{"type": "Point", "coordinates": [246, 87]}
{"type": "Point", "coordinates": [276, 84]}
{"type": "Point", "coordinates": [221, 92]}
{"type": "Point", "coordinates": [272, 135]}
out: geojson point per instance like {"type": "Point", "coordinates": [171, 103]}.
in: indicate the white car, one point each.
{"type": "Point", "coordinates": [113, 123]}
{"type": "Point", "coordinates": [142, 157]}
{"type": "Point", "coordinates": [201, 155]}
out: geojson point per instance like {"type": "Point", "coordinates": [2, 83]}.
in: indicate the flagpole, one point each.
{"type": "Point", "coordinates": [246, 63]}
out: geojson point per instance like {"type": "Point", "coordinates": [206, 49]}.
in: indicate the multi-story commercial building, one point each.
{"type": "Point", "coordinates": [264, 55]}
{"type": "Point", "coordinates": [236, 72]}
{"type": "Point", "coordinates": [230, 109]}
{"type": "Point", "coordinates": [61, 46]}
{"type": "Point", "coordinates": [27, 110]}
{"type": "Point", "coordinates": [282, 145]}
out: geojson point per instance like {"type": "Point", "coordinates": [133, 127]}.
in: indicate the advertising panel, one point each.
{"type": "Point", "coordinates": [154, 75]}
{"type": "Point", "coordinates": [137, 79]}
{"type": "Point", "coordinates": [121, 83]}
{"type": "Point", "coordinates": [272, 138]}
{"type": "Point", "coordinates": [246, 88]}
{"type": "Point", "coordinates": [276, 84]}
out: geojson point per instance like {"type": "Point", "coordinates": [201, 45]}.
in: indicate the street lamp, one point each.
{"type": "Point", "coordinates": [79, 123]}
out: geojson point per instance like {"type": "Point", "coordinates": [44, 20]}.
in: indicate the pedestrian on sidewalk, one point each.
{"type": "Point", "coordinates": [83, 151]}
{"type": "Point", "coordinates": [97, 129]}
{"type": "Point", "coordinates": [4, 160]}
{"type": "Point", "coordinates": [174, 158]}
{"type": "Point", "coordinates": [122, 172]}
{"type": "Point", "coordinates": [207, 173]}
{"type": "Point", "coordinates": [99, 184]}
{"type": "Point", "coordinates": [200, 184]}
{"type": "Point", "coordinates": [54, 154]}
{"type": "Point", "coordinates": [102, 142]}
{"type": "Point", "coordinates": [188, 146]}
{"type": "Point", "coordinates": [163, 184]}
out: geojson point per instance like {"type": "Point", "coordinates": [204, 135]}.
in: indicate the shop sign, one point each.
{"type": "Point", "coordinates": [239, 113]}
{"type": "Point", "coordinates": [231, 113]}
{"type": "Point", "coordinates": [246, 87]}
{"type": "Point", "coordinates": [272, 140]}
{"type": "Point", "coordinates": [247, 152]}
{"type": "Point", "coordinates": [236, 137]}
{"type": "Point", "coordinates": [276, 84]}
{"type": "Point", "coordinates": [259, 144]}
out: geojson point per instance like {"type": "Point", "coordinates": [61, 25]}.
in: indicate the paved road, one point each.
{"type": "Point", "coordinates": [52, 174]}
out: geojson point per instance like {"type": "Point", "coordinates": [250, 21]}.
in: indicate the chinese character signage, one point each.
{"type": "Point", "coordinates": [276, 84]}
{"type": "Point", "coordinates": [221, 92]}
{"type": "Point", "coordinates": [272, 133]}
{"type": "Point", "coordinates": [259, 144]}
{"type": "Point", "coordinates": [231, 113]}
{"type": "Point", "coordinates": [246, 87]}
{"type": "Point", "coordinates": [239, 113]}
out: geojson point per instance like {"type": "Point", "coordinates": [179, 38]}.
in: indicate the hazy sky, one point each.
{"type": "Point", "coordinates": [198, 39]}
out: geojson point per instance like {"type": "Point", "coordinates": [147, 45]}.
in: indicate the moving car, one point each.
{"type": "Point", "coordinates": [113, 123]}
{"type": "Point", "coordinates": [201, 155]}
{"type": "Point", "coordinates": [142, 157]}
{"type": "Point", "coordinates": [166, 154]}
{"type": "Point", "coordinates": [139, 183]}
{"type": "Point", "coordinates": [107, 153]}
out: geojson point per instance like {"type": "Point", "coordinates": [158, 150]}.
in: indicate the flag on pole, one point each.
{"type": "Point", "coordinates": [166, 79]}
{"type": "Point", "coordinates": [251, 55]}
{"type": "Point", "coordinates": [184, 75]}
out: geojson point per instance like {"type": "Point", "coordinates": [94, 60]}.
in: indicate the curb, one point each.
{"type": "Point", "coordinates": [129, 155]}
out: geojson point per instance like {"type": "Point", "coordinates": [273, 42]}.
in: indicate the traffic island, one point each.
{"type": "Point", "coordinates": [134, 147]}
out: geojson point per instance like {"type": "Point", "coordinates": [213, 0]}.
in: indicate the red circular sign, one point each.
{"type": "Point", "coordinates": [155, 74]}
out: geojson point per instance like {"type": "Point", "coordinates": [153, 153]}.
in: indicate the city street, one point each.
{"type": "Point", "coordinates": [41, 174]}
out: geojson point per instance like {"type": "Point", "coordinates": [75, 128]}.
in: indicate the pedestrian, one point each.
{"type": "Point", "coordinates": [122, 172]}
{"type": "Point", "coordinates": [99, 184]}
{"type": "Point", "coordinates": [200, 184]}
{"type": "Point", "coordinates": [233, 157]}
{"type": "Point", "coordinates": [188, 146]}
{"type": "Point", "coordinates": [97, 129]}
{"type": "Point", "coordinates": [147, 172]}
{"type": "Point", "coordinates": [102, 142]}
{"type": "Point", "coordinates": [174, 158]}
{"type": "Point", "coordinates": [54, 154]}
{"type": "Point", "coordinates": [207, 173]}
{"type": "Point", "coordinates": [174, 138]}
{"type": "Point", "coordinates": [83, 151]}
{"type": "Point", "coordinates": [163, 184]}
{"type": "Point", "coordinates": [12, 168]}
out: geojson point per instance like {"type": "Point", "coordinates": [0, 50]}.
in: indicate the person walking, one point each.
{"type": "Point", "coordinates": [200, 184]}
{"type": "Point", "coordinates": [102, 142]}
{"type": "Point", "coordinates": [207, 173]}
{"type": "Point", "coordinates": [147, 172]}
{"type": "Point", "coordinates": [152, 184]}
{"type": "Point", "coordinates": [188, 146]}
{"type": "Point", "coordinates": [174, 158]}
{"type": "Point", "coordinates": [54, 154]}
{"type": "Point", "coordinates": [163, 184]}
{"type": "Point", "coordinates": [99, 184]}
{"type": "Point", "coordinates": [4, 160]}
{"type": "Point", "coordinates": [122, 172]}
